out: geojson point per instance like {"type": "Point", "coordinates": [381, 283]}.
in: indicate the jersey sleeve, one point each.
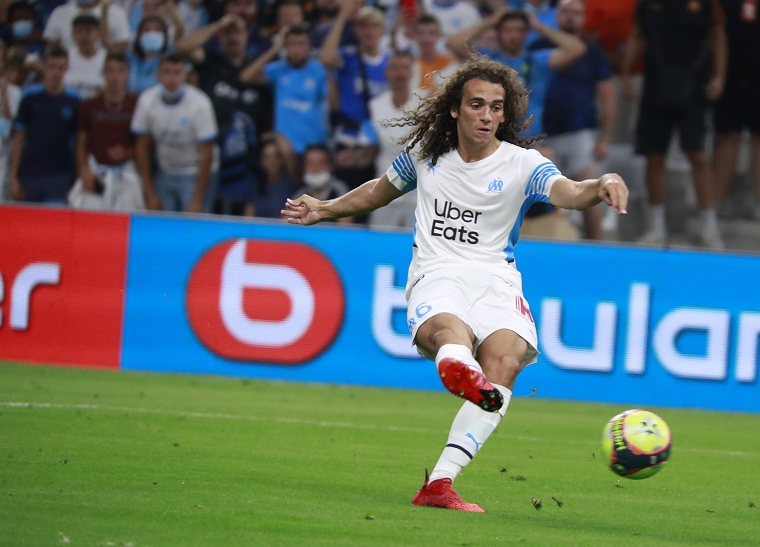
{"type": "Point", "coordinates": [540, 175]}
{"type": "Point", "coordinates": [403, 172]}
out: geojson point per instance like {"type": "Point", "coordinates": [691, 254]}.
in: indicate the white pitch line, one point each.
{"type": "Point", "coordinates": [298, 421]}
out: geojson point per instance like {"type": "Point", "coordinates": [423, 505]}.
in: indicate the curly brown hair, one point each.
{"type": "Point", "coordinates": [435, 131]}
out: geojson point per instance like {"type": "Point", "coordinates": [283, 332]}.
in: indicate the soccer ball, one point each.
{"type": "Point", "coordinates": [636, 443]}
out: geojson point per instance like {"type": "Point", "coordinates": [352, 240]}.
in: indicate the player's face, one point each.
{"type": "Point", "coordinates": [571, 16]}
{"type": "Point", "coordinates": [171, 75]}
{"type": "Point", "coordinates": [116, 74]}
{"type": "Point", "coordinates": [512, 34]}
{"type": "Point", "coordinates": [480, 113]}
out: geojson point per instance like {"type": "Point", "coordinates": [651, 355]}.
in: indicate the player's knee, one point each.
{"type": "Point", "coordinates": [502, 369]}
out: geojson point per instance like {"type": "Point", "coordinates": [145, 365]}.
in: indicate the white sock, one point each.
{"type": "Point", "coordinates": [471, 428]}
{"type": "Point", "coordinates": [657, 218]}
{"type": "Point", "coordinates": [709, 220]}
{"type": "Point", "coordinates": [458, 352]}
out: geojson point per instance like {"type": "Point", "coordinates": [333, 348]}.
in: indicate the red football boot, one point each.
{"type": "Point", "coordinates": [440, 494]}
{"type": "Point", "coordinates": [469, 384]}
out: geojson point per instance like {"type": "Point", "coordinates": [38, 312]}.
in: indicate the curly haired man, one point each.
{"type": "Point", "coordinates": [475, 179]}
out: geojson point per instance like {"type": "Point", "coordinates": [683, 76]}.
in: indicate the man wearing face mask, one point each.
{"type": "Point", "coordinates": [22, 40]}
{"type": "Point", "coordinates": [318, 180]}
{"type": "Point", "coordinates": [58, 29]}
{"type": "Point", "coordinates": [177, 120]}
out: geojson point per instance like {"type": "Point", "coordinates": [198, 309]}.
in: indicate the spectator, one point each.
{"type": "Point", "coordinates": [278, 165]}
{"type": "Point", "coordinates": [545, 12]}
{"type": "Point", "coordinates": [194, 14]}
{"type": "Point", "coordinates": [163, 9]}
{"type": "Point", "coordinates": [432, 67]}
{"type": "Point", "coordinates": [150, 44]}
{"type": "Point", "coordinates": [535, 67]}
{"type": "Point", "coordinates": [24, 38]}
{"type": "Point", "coordinates": [86, 58]}
{"type": "Point", "coordinates": [738, 108]}
{"type": "Point", "coordinates": [10, 95]}
{"type": "Point", "coordinates": [454, 15]}
{"type": "Point", "coordinates": [360, 77]}
{"type": "Point", "coordinates": [578, 135]}
{"type": "Point", "coordinates": [386, 109]}
{"type": "Point", "coordinates": [42, 157]}
{"type": "Point", "coordinates": [327, 13]}
{"type": "Point", "coordinates": [105, 149]}
{"type": "Point", "coordinates": [59, 29]}
{"type": "Point", "coordinates": [242, 111]}
{"type": "Point", "coordinates": [289, 14]}
{"type": "Point", "coordinates": [680, 77]}
{"type": "Point", "coordinates": [178, 120]}
{"type": "Point", "coordinates": [247, 11]}
{"type": "Point", "coordinates": [318, 179]}
{"type": "Point", "coordinates": [300, 86]}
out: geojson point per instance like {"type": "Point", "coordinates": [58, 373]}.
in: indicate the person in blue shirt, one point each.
{"type": "Point", "coordinates": [579, 134]}
{"type": "Point", "coordinates": [360, 77]}
{"type": "Point", "coordinates": [300, 87]}
{"type": "Point", "coordinates": [534, 67]}
{"type": "Point", "coordinates": [42, 161]}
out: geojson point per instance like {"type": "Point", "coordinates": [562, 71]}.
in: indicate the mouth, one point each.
{"type": "Point", "coordinates": [484, 131]}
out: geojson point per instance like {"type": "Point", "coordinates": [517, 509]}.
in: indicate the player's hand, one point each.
{"type": "Point", "coordinates": [304, 210]}
{"type": "Point", "coordinates": [614, 192]}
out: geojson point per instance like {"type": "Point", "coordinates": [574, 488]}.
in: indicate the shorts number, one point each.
{"type": "Point", "coordinates": [422, 309]}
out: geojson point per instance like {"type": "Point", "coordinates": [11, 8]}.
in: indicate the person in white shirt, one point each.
{"type": "Point", "coordinates": [475, 178]}
{"type": "Point", "coordinates": [386, 107]}
{"type": "Point", "coordinates": [176, 119]}
{"type": "Point", "coordinates": [86, 58]}
{"type": "Point", "coordinates": [58, 28]}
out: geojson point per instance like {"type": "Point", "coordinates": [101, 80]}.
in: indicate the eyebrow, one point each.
{"type": "Point", "coordinates": [482, 100]}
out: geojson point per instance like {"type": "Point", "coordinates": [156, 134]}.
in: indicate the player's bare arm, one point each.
{"type": "Point", "coordinates": [609, 188]}
{"type": "Point", "coordinates": [371, 195]}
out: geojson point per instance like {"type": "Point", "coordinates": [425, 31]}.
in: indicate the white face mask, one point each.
{"type": "Point", "coordinates": [315, 180]}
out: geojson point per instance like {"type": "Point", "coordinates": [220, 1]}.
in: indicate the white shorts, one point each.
{"type": "Point", "coordinates": [484, 301]}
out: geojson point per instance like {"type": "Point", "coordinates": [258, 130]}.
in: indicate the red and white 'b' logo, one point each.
{"type": "Point", "coordinates": [266, 301]}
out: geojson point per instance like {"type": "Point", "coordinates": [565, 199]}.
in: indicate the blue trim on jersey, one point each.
{"type": "Point", "coordinates": [514, 235]}
{"type": "Point", "coordinates": [404, 166]}
{"type": "Point", "coordinates": [206, 140]}
{"type": "Point", "coordinates": [539, 178]}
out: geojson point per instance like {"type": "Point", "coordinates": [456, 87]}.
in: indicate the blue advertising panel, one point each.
{"type": "Point", "coordinates": [326, 304]}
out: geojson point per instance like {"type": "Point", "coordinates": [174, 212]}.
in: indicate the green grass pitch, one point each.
{"type": "Point", "coordinates": [96, 458]}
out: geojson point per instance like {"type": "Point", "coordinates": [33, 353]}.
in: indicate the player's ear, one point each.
{"type": "Point", "coordinates": [454, 113]}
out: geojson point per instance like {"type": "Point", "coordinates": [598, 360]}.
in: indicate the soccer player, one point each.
{"type": "Point", "coordinates": [475, 178]}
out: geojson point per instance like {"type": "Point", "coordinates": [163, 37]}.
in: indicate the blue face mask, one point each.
{"type": "Point", "coordinates": [172, 96]}
{"type": "Point", "coordinates": [152, 41]}
{"type": "Point", "coordinates": [22, 29]}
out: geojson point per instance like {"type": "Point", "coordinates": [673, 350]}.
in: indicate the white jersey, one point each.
{"type": "Point", "coordinates": [472, 212]}
{"type": "Point", "coordinates": [85, 74]}
{"type": "Point", "coordinates": [176, 128]}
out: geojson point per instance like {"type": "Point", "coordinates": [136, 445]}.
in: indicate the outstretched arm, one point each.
{"type": "Point", "coordinates": [369, 196]}
{"type": "Point", "coordinates": [609, 188]}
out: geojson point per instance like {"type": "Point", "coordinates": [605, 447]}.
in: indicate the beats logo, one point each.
{"type": "Point", "coordinates": [265, 301]}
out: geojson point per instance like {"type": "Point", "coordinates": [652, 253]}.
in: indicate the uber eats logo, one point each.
{"type": "Point", "coordinates": [466, 221]}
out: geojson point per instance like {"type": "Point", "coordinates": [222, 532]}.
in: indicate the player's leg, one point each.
{"type": "Point", "coordinates": [450, 340]}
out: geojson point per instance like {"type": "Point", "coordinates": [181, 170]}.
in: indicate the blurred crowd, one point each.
{"type": "Point", "coordinates": [232, 106]}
